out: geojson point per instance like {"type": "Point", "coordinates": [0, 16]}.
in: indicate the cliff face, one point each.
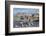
{"type": "Point", "coordinates": [26, 20]}
{"type": "Point", "coordinates": [26, 17]}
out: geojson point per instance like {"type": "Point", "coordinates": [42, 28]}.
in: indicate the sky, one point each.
{"type": "Point", "coordinates": [24, 10]}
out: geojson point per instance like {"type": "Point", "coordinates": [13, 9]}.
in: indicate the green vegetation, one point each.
{"type": "Point", "coordinates": [16, 18]}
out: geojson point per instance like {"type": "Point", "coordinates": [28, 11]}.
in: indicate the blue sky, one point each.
{"type": "Point", "coordinates": [24, 10]}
